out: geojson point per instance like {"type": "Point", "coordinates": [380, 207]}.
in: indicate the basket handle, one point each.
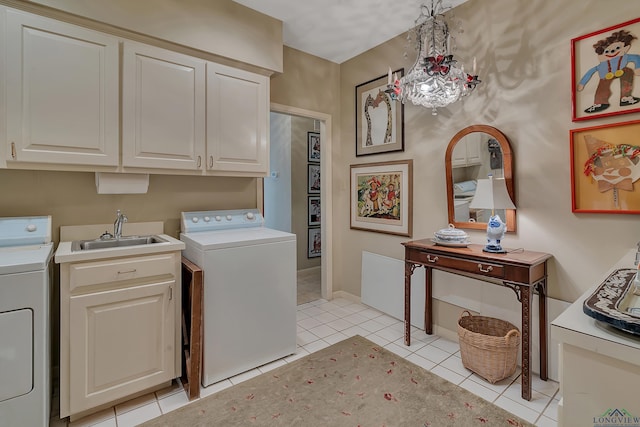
{"type": "Point", "coordinates": [462, 314]}
{"type": "Point", "coordinates": [512, 333]}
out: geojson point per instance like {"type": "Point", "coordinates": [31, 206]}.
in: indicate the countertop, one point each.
{"type": "Point", "coordinates": [576, 328]}
{"type": "Point", "coordinates": [65, 254]}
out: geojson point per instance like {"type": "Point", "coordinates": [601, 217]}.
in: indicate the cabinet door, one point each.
{"type": "Point", "coordinates": [237, 120]}
{"type": "Point", "coordinates": [163, 108]}
{"type": "Point", "coordinates": [121, 342]}
{"type": "Point", "coordinates": [62, 103]}
{"type": "Point", "coordinates": [473, 149]}
{"type": "Point", "coordinates": [459, 154]}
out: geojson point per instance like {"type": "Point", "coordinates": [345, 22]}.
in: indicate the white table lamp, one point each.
{"type": "Point", "coordinates": [492, 194]}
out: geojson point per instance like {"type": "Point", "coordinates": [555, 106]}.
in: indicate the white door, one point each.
{"type": "Point", "coordinates": [163, 108]}
{"type": "Point", "coordinates": [62, 104]}
{"type": "Point", "coordinates": [16, 353]}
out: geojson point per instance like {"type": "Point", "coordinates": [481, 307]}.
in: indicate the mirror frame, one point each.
{"type": "Point", "coordinates": [507, 164]}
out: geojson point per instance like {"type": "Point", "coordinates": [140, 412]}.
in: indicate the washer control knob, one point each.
{"type": "Point", "coordinates": [218, 218]}
{"type": "Point", "coordinates": [194, 219]}
{"type": "Point", "coordinates": [229, 217]}
{"type": "Point", "coordinates": [250, 215]}
{"type": "Point", "coordinates": [31, 227]}
{"type": "Point", "coordinates": [207, 219]}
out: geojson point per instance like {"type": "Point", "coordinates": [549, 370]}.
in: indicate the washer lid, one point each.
{"type": "Point", "coordinates": [235, 237]}
{"type": "Point", "coordinates": [21, 259]}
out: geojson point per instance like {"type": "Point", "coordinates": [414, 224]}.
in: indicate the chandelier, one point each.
{"type": "Point", "coordinates": [435, 80]}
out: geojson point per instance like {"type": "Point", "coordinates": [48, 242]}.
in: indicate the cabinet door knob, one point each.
{"type": "Point", "coordinates": [199, 161]}
{"type": "Point", "coordinates": [210, 162]}
{"type": "Point", "coordinates": [13, 150]}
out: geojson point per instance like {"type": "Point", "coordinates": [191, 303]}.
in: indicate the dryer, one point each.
{"type": "Point", "coordinates": [25, 290]}
{"type": "Point", "coordinates": [249, 307]}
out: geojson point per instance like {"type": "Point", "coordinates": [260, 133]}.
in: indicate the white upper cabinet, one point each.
{"type": "Point", "coordinates": [237, 120]}
{"type": "Point", "coordinates": [163, 108]}
{"type": "Point", "coordinates": [62, 92]}
{"type": "Point", "coordinates": [467, 151]}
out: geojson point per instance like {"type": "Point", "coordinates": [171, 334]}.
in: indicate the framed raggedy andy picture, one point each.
{"type": "Point", "coordinates": [379, 119]}
{"type": "Point", "coordinates": [605, 67]}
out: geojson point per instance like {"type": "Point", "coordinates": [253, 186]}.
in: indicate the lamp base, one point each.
{"type": "Point", "coordinates": [494, 249]}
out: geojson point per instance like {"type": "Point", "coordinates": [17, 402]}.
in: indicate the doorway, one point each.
{"type": "Point", "coordinates": [323, 126]}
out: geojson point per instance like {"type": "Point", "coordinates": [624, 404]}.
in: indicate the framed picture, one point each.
{"type": "Point", "coordinates": [313, 143]}
{"type": "Point", "coordinates": [381, 197]}
{"type": "Point", "coordinates": [603, 66]}
{"type": "Point", "coordinates": [313, 179]}
{"type": "Point", "coordinates": [379, 119]}
{"type": "Point", "coordinates": [313, 210]}
{"type": "Point", "coordinates": [314, 243]}
{"type": "Point", "coordinates": [605, 168]}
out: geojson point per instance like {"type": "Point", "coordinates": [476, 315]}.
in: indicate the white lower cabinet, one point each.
{"type": "Point", "coordinates": [119, 330]}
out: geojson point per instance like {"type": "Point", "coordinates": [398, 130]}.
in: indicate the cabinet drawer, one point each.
{"type": "Point", "coordinates": [443, 261]}
{"type": "Point", "coordinates": [116, 270]}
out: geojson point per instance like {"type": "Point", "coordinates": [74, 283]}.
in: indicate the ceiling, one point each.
{"type": "Point", "coordinates": [338, 30]}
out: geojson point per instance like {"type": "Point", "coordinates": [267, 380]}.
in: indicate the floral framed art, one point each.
{"type": "Point", "coordinates": [313, 210]}
{"type": "Point", "coordinates": [381, 197]}
{"type": "Point", "coordinates": [605, 64]}
{"type": "Point", "coordinates": [314, 242]}
{"type": "Point", "coordinates": [605, 168]}
{"type": "Point", "coordinates": [313, 146]}
{"type": "Point", "coordinates": [379, 119]}
{"type": "Point", "coordinates": [313, 179]}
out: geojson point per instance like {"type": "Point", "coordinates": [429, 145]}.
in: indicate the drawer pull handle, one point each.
{"type": "Point", "coordinates": [126, 272]}
{"type": "Point", "coordinates": [488, 269]}
{"type": "Point", "coordinates": [434, 259]}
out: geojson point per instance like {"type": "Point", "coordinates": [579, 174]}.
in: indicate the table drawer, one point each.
{"type": "Point", "coordinates": [443, 261]}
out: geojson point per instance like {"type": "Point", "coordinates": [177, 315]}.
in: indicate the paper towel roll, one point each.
{"type": "Point", "coordinates": [121, 183]}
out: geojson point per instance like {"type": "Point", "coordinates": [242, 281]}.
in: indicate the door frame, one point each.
{"type": "Point", "coordinates": [326, 266]}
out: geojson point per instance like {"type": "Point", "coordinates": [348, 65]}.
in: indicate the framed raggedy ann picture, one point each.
{"type": "Point", "coordinates": [605, 66]}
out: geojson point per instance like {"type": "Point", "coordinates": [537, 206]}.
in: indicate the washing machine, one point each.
{"type": "Point", "coordinates": [249, 292]}
{"type": "Point", "coordinates": [25, 291]}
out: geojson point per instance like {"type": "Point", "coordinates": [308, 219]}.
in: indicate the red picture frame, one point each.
{"type": "Point", "coordinates": [605, 168]}
{"type": "Point", "coordinates": [597, 82]}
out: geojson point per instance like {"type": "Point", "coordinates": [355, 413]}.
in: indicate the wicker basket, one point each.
{"type": "Point", "coordinates": [489, 346]}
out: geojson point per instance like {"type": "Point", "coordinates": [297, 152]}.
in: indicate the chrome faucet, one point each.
{"type": "Point", "coordinates": [117, 225]}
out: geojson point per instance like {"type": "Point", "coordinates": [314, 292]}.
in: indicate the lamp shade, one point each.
{"type": "Point", "coordinates": [492, 194]}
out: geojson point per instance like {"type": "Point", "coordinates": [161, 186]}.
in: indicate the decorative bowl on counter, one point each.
{"type": "Point", "coordinates": [451, 236]}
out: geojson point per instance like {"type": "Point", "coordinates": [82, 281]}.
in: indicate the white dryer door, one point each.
{"type": "Point", "coordinates": [16, 353]}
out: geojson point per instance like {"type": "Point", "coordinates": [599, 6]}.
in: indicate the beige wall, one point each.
{"type": "Point", "coordinates": [71, 198]}
{"type": "Point", "coordinates": [524, 60]}
{"type": "Point", "coordinates": [220, 27]}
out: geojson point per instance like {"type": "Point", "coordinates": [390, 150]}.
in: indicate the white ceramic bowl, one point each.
{"type": "Point", "coordinates": [451, 234]}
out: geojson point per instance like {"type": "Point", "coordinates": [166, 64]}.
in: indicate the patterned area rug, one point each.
{"type": "Point", "coordinates": [352, 383]}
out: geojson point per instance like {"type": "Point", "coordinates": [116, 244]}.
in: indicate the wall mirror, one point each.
{"type": "Point", "coordinates": [474, 153]}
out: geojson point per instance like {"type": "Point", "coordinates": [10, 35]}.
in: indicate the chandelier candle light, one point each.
{"type": "Point", "coordinates": [434, 80]}
{"type": "Point", "coordinates": [492, 194]}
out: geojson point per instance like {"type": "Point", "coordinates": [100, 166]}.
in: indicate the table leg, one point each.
{"type": "Point", "coordinates": [428, 300]}
{"type": "Point", "coordinates": [526, 294]}
{"type": "Point", "coordinates": [408, 271]}
{"type": "Point", "coordinates": [542, 328]}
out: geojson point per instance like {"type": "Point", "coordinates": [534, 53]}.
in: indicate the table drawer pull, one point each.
{"type": "Point", "coordinates": [488, 269]}
{"type": "Point", "coordinates": [430, 259]}
{"type": "Point", "coordinates": [127, 271]}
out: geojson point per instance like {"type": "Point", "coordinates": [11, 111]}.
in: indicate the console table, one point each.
{"type": "Point", "coordinates": [525, 272]}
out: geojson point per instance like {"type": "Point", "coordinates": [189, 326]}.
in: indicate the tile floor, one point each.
{"type": "Point", "coordinates": [322, 323]}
